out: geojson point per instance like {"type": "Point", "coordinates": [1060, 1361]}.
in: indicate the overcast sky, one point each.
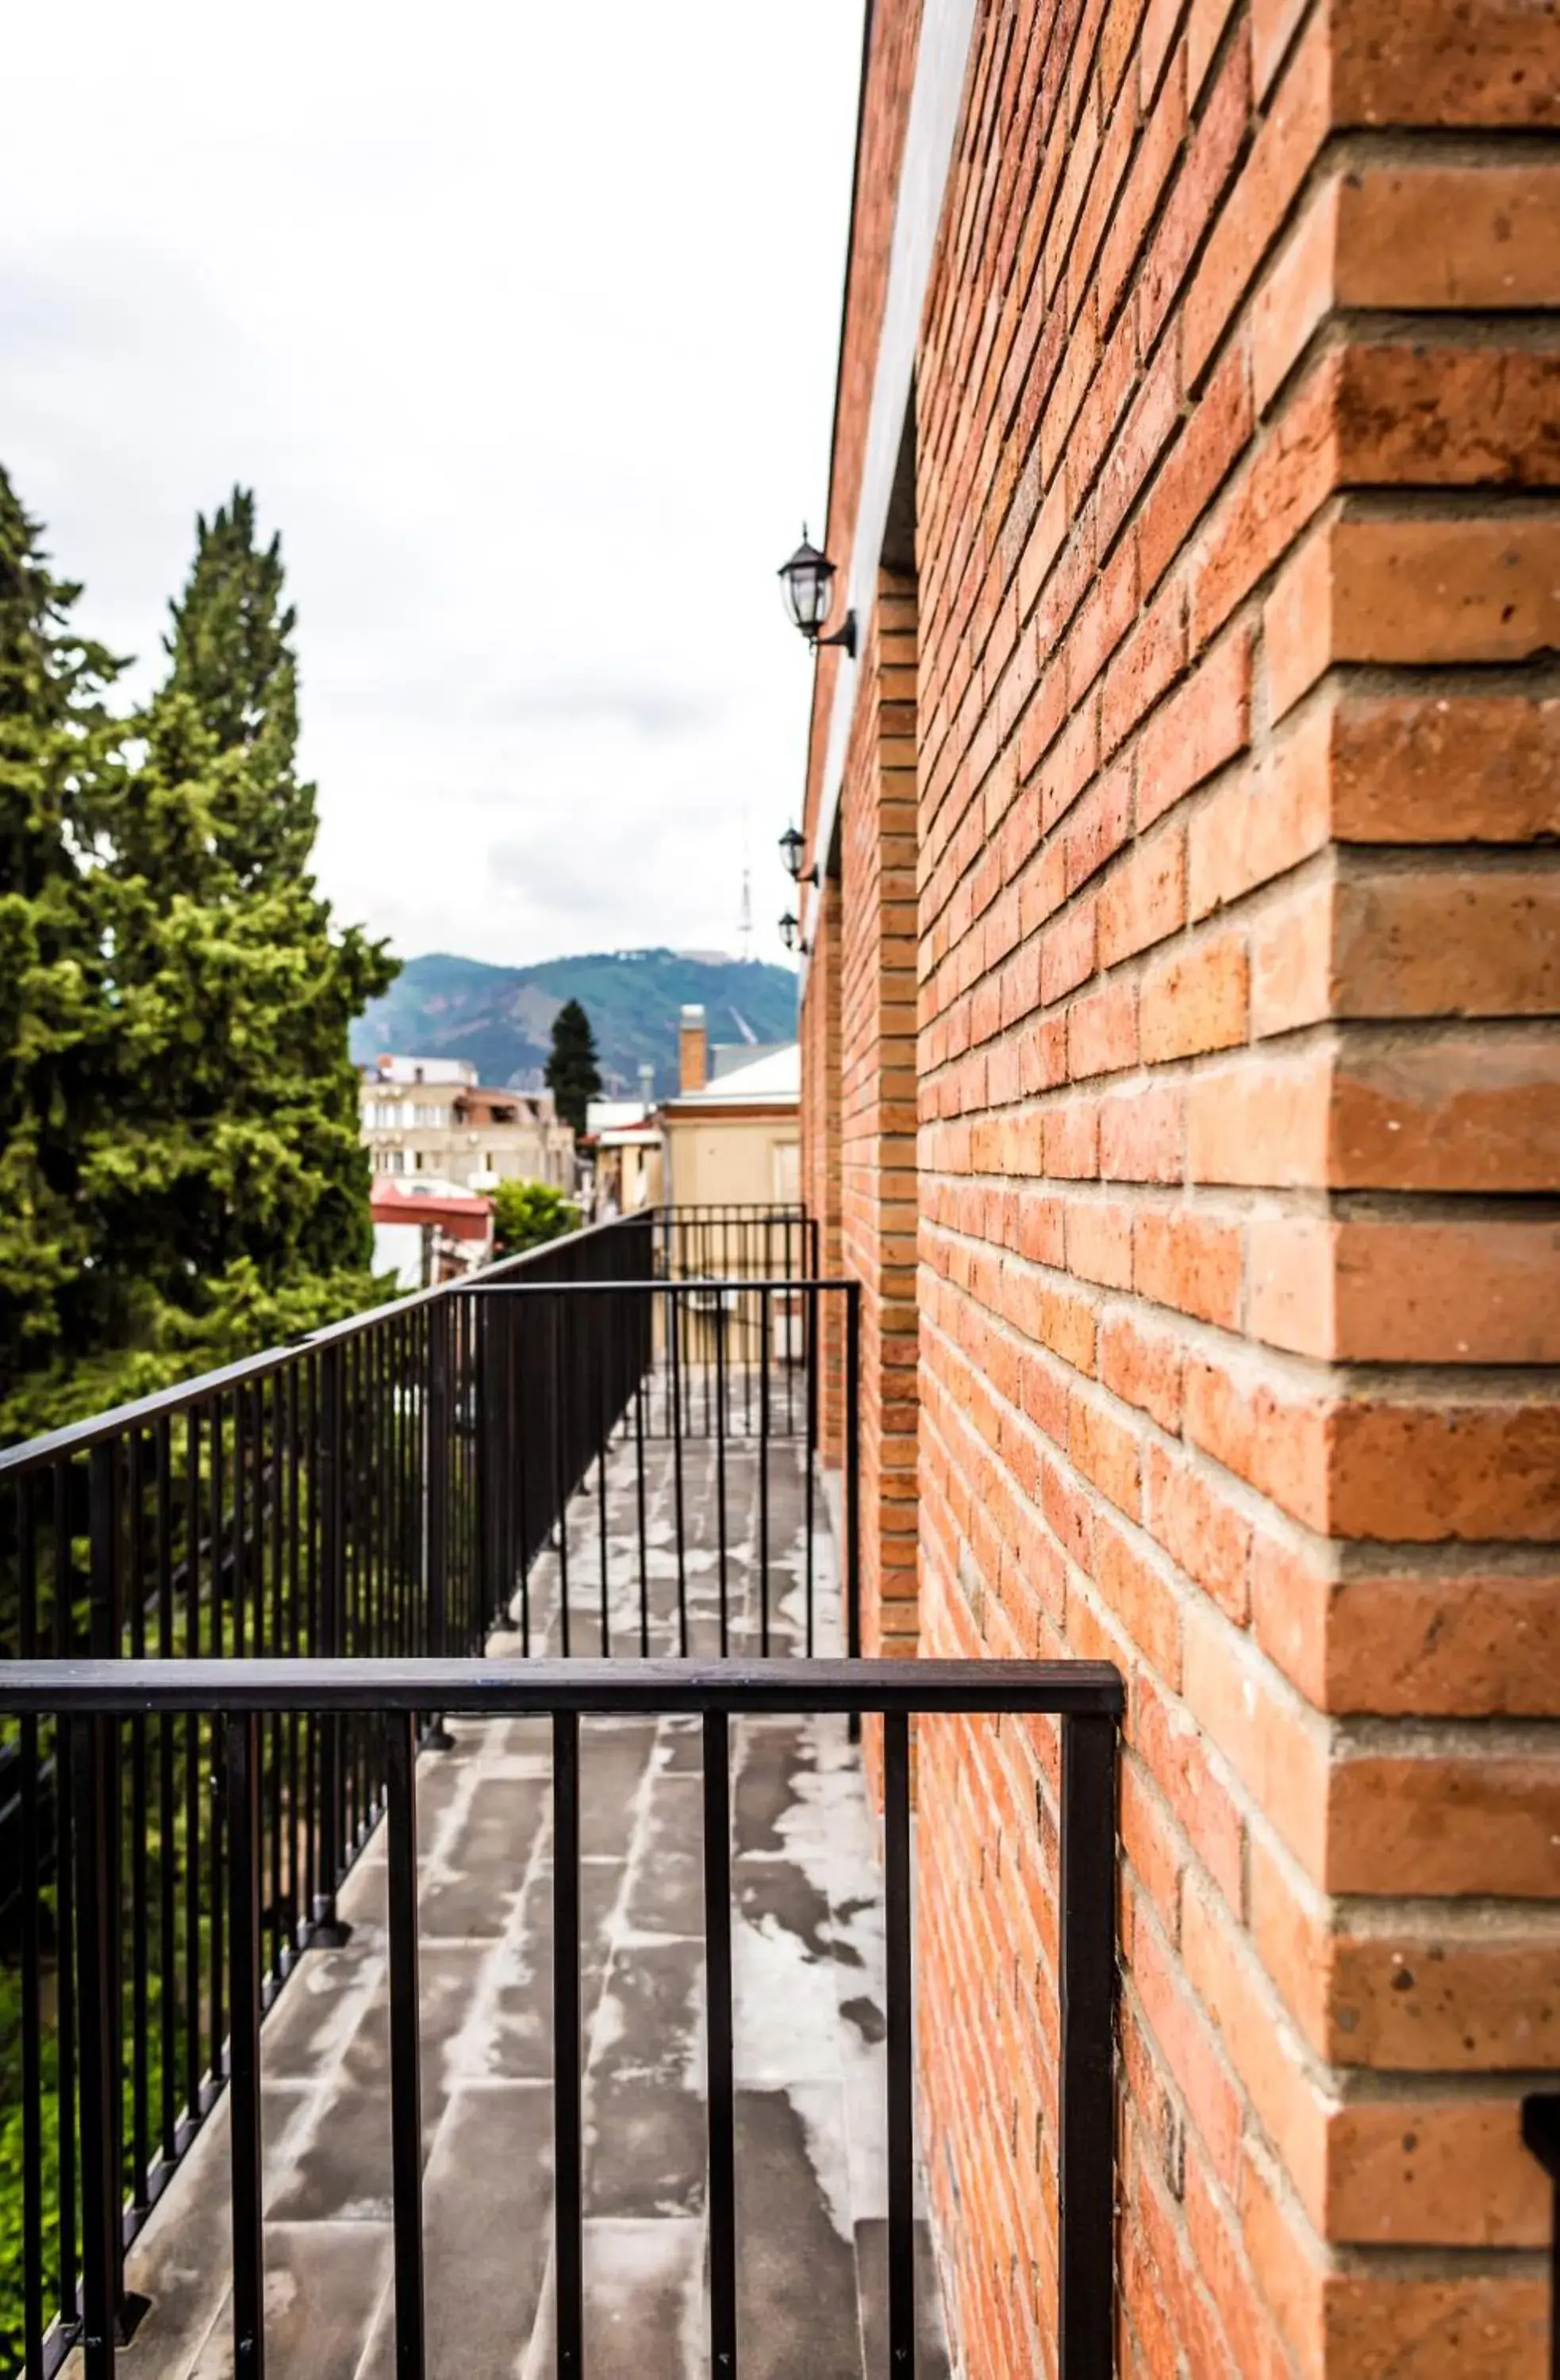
{"type": "Point", "coordinates": [520, 318]}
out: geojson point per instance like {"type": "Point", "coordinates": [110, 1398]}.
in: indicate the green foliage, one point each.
{"type": "Point", "coordinates": [59, 1021]}
{"type": "Point", "coordinates": [499, 1019]}
{"type": "Point", "coordinates": [232, 655]}
{"type": "Point", "coordinates": [526, 1214]}
{"type": "Point", "coordinates": [182, 1180]}
{"type": "Point", "coordinates": [572, 1074]}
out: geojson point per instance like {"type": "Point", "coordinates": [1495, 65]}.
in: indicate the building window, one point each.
{"type": "Point", "coordinates": [427, 1119]}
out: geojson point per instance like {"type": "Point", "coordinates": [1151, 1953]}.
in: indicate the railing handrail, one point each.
{"type": "Point", "coordinates": [77, 1437]}
{"type": "Point", "coordinates": [664, 1288]}
{"type": "Point", "coordinates": [477, 1687]}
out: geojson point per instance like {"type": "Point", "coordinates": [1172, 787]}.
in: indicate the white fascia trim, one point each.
{"type": "Point", "coordinates": [942, 62]}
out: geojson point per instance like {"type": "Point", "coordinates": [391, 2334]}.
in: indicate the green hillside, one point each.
{"type": "Point", "coordinates": [499, 1018]}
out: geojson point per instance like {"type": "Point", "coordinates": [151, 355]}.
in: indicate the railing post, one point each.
{"type": "Point", "coordinates": [853, 1469]}
{"type": "Point", "coordinates": [436, 1498]}
{"type": "Point", "coordinates": [241, 1750]}
{"type": "Point", "coordinates": [435, 1481]}
{"type": "Point", "coordinates": [94, 1767]}
{"type": "Point", "coordinates": [1087, 2162]}
{"type": "Point", "coordinates": [1541, 2138]}
{"type": "Point", "coordinates": [104, 1629]}
{"type": "Point", "coordinates": [327, 1931]}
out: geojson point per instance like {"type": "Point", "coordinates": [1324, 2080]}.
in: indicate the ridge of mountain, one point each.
{"type": "Point", "coordinates": [499, 1018]}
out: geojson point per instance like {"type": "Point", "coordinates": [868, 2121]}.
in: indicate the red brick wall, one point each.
{"type": "Point", "coordinates": [821, 1154]}
{"type": "Point", "coordinates": [1238, 425]}
{"type": "Point", "coordinates": [886, 85]}
{"type": "Point", "coordinates": [877, 1103]}
{"type": "Point", "coordinates": [890, 70]}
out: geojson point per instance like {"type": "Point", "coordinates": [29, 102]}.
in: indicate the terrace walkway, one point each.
{"type": "Point", "coordinates": [811, 2184]}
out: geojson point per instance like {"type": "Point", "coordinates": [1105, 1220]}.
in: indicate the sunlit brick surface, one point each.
{"type": "Point", "coordinates": [1238, 742]}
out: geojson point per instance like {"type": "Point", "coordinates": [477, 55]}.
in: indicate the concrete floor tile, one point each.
{"type": "Point", "coordinates": [808, 2024]}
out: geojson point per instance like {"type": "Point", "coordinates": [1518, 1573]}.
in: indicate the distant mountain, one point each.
{"type": "Point", "coordinates": [499, 1019]}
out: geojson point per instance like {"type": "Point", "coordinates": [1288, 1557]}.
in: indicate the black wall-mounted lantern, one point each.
{"type": "Point", "coordinates": [792, 845]}
{"type": "Point", "coordinates": [808, 580]}
{"type": "Point", "coordinates": [790, 928]}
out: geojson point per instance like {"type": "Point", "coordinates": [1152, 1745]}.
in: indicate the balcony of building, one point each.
{"type": "Point", "coordinates": [452, 1928]}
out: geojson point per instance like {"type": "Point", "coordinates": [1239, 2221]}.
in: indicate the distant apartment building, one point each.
{"type": "Point", "coordinates": [430, 1118]}
{"type": "Point", "coordinates": [424, 1233]}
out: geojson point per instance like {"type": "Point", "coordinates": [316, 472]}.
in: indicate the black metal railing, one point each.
{"type": "Point", "coordinates": [1541, 2137]}
{"type": "Point", "coordinates": [724, 1377]}
{"type": "Point", "coordinates": [498, 1452]}
{"type": "Point", "coordinates": [735, 1242]}
{"type": "Point", "coordinates": [391, 1487]}
{"type": "Point", "coordinates": [92, 1706]}
{"type": "Point", "coordinates": [332, 1498]}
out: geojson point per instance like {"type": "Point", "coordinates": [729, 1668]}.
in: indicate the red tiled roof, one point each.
{"type": "Point", "coordinates": [456, 1214]}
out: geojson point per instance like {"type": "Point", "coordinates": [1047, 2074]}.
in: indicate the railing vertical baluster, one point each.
{"type": "Point", "coordinates": [516, 1459]}
{"type": "Point", "coordinates": [853, 1469]}
{"type": "Point", "coordinates": [763, 1472]}
{"type": "Point", "coordinates": [168, 1879]}
{"type": "Point", "coordinates": [94, 1760]}
{"type": "Point", "coordinates": [217, 1928]}
{"type": "Point", "coordinates": [720, 1312]}
{"type": "Point", "coordinates": [809, 1455]}
{"type": "Point", "coordinates": [273, 1730]}
{"type": "Point", "coordinates": [607, 1310]}
{"type": "Point", "coordinates": [325, 1928]}
{"type": "Point", "coordinates": [242, 1740]}
{"type": "Point", "coordinates": [438, 1484]}
{"type": "Point", "coordinates": [104, 1521]}
{"type": "Point", "coordinates": [242, 1460]}
{"type": "Point", "coordinates": [310, 1453]}
{"type": "Point", "coordinates": [67, 2276]}
{"type": "Point", "coordinates": [567, 2220]}
{"type": "Point", "coordinates": [194, 2063]}
{"type": "Point", "coordinates": [900, 2015]}
{"type": "Point", "coordinates": [720, 2070]}
{"type": "Point", "coordinates": [140, 2009]}
{"type": "Point", "coordinates": [1087, 2177]}
{"type": "Point", "coordinates": [295, 1903]}
{"type": "Point", "coordinates": [673, 1302]}
{"type": "Point", "coordinates": [640, 1509]}
{"type": "Point", "coordinates": [1541, 2138]}
{"type": "Point", "coordinates": [31, 1960]}
{"type": "Point", "coordinates": [555, 1306]}
{"type": "Point", "coordinates": [406, 2078]}
{"type": "Point", "coordinates": [438, 1478]}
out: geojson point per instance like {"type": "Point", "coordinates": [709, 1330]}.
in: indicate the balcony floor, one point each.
{"type": "Point", "coordinates": [806, 1948]}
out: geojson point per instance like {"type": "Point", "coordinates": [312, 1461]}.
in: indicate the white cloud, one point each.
{"type": "Point", "coordinates": [521, 323]}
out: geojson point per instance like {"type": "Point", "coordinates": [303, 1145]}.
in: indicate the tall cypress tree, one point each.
{"type": "Point", "coordinates": [181, 1175]}
{"type": "Point", "coordinates": [232, 654]}
{"type": "Point", "coordinates": [57, 1022]}
{"type": "Point", "coordinates": [571, 1074]}
{"type": "Point", "coordinates": [248, 1176]}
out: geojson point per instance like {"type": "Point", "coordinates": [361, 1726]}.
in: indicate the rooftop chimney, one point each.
{"type": "Point", "coordinates": [693, 1050]}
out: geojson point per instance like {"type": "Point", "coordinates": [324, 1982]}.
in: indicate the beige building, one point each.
{"type": "Point", "coordinates": [627, 1156]}
{"type": "Point", "coordinates": [733, 1131]}
{"type": "Point", "coordinates": [430, 1118]}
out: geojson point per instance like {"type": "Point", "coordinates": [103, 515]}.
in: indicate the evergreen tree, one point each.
{"type": "Point", "coordinates": [246, 1181]}
{"type": "Point", "coordinates": [57, 1021]}
{"type": "Point", "coordinates": [182, 1173]}
{"type": "Point", "coordinates": [232, 655]}
{"type": "Point", "coordinates": [572, 1075]}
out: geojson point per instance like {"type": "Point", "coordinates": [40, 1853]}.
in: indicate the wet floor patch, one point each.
{"type": "Point", "coordinates": [807, 1945]}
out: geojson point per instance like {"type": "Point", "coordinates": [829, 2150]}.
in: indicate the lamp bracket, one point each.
{"type": "Point", "coordinates": [844, 635]}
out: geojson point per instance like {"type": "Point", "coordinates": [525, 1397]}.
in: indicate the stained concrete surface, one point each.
{"type": "Point", "coordinates": [807, 2021]}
